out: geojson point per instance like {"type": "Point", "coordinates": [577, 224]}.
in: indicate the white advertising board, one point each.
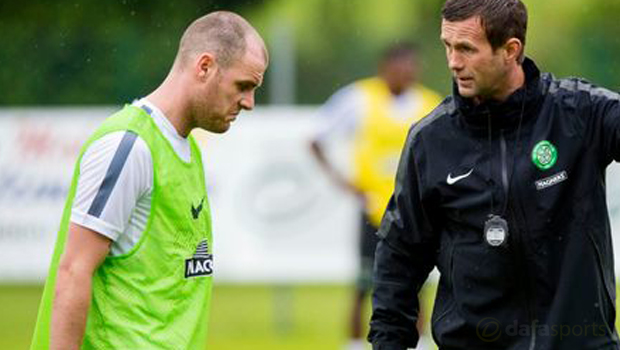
{"type": "Point", "coordinates": [38, 148]}
{"type": "Point", "coordinates": [276, 216]}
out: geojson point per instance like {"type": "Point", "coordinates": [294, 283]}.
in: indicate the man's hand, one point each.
{"type": "Point", "coordinates": [84, 251]}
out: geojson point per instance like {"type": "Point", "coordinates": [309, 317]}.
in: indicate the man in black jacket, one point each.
{"type": "Point", "coordinates": [502, 188]}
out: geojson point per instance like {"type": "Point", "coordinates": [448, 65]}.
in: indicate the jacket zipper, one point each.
{"type": "Point", "coordinates": [506, 185]}
{"type": "Point", "coordinates": [504, 165]}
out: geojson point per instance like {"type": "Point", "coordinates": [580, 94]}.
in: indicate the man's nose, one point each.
{"type": "Point", "coordinates": [247, 101]}
{"type": "Point", "coordinates": [455, 61]}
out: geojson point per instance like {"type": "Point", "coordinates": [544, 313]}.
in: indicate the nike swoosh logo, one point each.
{"type": "Point", "coordinates": [452, 180]}
{"type": "Point", "coordinates": [196, 211]}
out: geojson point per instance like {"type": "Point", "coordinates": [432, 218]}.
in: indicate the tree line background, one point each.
{"type": "Point", "coordinates": [87, 52]}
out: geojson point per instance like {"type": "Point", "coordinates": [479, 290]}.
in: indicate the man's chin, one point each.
{"type": "Point", "coordinates": [466, 92]}
{"type": "Point", "coordinates": [217, 129]}
{"type": "Point", "coordinates": [222, 129]}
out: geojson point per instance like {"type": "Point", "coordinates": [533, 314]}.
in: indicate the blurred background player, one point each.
{"type": "Point", "coordinates": [376, 113]}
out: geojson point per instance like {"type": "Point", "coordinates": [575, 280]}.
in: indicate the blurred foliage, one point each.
{"type": "Point", "coordinates": [91, 52]}
{"type": "Point", "coordinates": [88, 52]}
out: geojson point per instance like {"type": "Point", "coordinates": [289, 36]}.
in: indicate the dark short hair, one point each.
{"type": "Point", "coordinates": [501, 19]}
{"type": "Point", "coordinates": [398, 50]}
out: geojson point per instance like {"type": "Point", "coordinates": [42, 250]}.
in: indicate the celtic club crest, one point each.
{"type": "Point", "coordinates": [544, 155]}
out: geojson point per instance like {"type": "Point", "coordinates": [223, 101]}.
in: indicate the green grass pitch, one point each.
{"type": "Point", "coordinates": [242, 317]}
{"type": "Point", "coordinates": [254, 317]}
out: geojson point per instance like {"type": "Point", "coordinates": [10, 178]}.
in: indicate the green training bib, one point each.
{"type": "Point", "coordinates": [157, 296]}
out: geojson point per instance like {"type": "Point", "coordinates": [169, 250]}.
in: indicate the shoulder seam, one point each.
{"type": "Point", "coordinates": [447, 107]}
{"type": "Point", "coordinates": [574, 84]}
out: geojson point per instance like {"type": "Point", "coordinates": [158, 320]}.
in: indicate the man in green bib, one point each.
{"type": "Point", "coordinates": [133, 263]}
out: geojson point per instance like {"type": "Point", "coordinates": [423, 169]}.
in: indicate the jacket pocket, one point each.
{"type": "Point", "coordinates": [444, 300]}
{"type": "Point", "coordinates": [445, 318]}
{"type": "Point", "coordinates": [607, 305]}
{"type": "Point", "coordinates": [483, 278]}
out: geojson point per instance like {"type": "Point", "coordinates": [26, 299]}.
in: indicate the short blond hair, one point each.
{"type": "Point", "coordinates": [222, 33]}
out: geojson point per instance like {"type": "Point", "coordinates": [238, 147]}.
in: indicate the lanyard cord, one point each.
{"type": "Point", "coordinates": [514, 156]}
{"type": "Point", "coordinates": [490, 158]}
{"type": "Point", "coordinates": [517, 147]}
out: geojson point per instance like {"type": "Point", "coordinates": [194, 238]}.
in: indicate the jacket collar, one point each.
{"type": "Point", "coordinates": [506, 114]}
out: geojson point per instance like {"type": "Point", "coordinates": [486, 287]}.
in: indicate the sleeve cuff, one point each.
{"type": "Point", "coordinates": [92, 223]}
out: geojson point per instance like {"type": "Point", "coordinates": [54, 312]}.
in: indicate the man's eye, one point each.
{"type": "Point", "coordinates": [244, 87]}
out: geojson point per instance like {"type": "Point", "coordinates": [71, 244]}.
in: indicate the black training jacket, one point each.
{"type": "Point", "coordinates": [538, 160]}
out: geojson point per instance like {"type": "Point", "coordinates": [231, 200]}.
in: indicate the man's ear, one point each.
{"type": "Point", "coordinates": [512, 49]}
{"type": "Point", "coordinates": [204, 65]}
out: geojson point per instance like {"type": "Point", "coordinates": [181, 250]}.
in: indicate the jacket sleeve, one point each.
{"type": "Point", "coordinates": [606, 120]}
{"type": "Point", "coordinates": [404, 257]}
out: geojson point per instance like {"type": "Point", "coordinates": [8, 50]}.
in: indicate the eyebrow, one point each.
{"type": "Point", "coordinates": [460, 43]}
